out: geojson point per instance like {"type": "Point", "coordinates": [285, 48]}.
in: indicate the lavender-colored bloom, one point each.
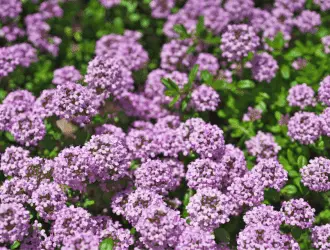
{"type": "Point", "coordinates": [324, 4]}
{"type": "Point", "coordinates": [45, 105]}
{"type": "Point", "coordinates": [295, 5]}
{"type": "Point", "coordinates": [315, 175]}
{"type": "Point", "coordinates": [234, 162]}
{"type": "Point", "coordinates": [281, 20]}
{"type": "Point", "coordinates": [108, 76]}
{"type": "Point", "coordinates": [225, 75]}
{"type": "Point", "coordinates": [304, 127]}
{"type": "Point", "coordinates": [325, 122]}
{"type": "Point", "coordinates": [135, 104]}
{"type": "Point", "coordinates": [320, 237]}
{"type": "Point", "coordinates": [184, 18]}
{"type": "Point", "coordinates": [71, 220]}
{"type": "Point", "coordinates": [131, 54]}
{"type": "Point", "coordinates": [48, 199]}
{"type": "Point", "coordinates": [203, 173]}
{"type": "Point", "coordinates": [83, 241]}
{"type": "Point", "coordinates": [140, 144]}
{"type": "Point", "coordinates": [252, 115]}
{"type": "Point", "coordinates": [160, 226]}
{"type": "Point", "coordinates": [245, 191]}
{"type": "Point", "coordinates": [208, 209]}
{"type": "Point", "coordinates": [324, 91]}
{"type": "Point", "coordinates": [28, 129]}
{"type": "Point", "coordinates": [7, 113]}
{"type": "Point", "coordinates": [204, 98]}
{"type": "Point", "coordinates": [265, 215]}
{"type": "Point", "coordinates": [301, 96]}
{"type": "Point", "coordinates": [326, 43]}
{"type": "Point", "coordinates": [8, 62]}
{"type": "Point", "coordinates": [38, 34]}
{"type": "Point", "coordinates": [10, 9]}
{"type": "Point", "coordinates": [107, 228]}
{"type": "Point", "coordinates": [174, 55]}
{"type": "Point", "coordinates": [238, 41]}
{"type": "Point", "coordinates": [35, 170]}
{"type": "Point", "coordinates": [11, 32]}
{"type": "Point", "coordinates": [21, 99]}
{"type": "Point", "coordinates": [284, 120]}
{"type": "Point", "coordinates": [207, 62]}
{"type": "Point", "coordinates": [299, 63]}
{"type": "Point", "coordinates": [50, 9]}
{"type": "Point", "coordinates": [166, 140]}
{"type": "Point", "coordinates": [308, 21]}
{"type": "Point", "coordinates": [110, 129]}
{"type": "Point", "coordinates": [16, 190]}
{"type": "Point", "coordinates": [264, 67]}
{"type": "Point", "coordinates": [258, 19]}
{"type": "Point", "coordinates": [298, 213]}
{"type": "Point", "coordinates": [13, 159]}
{"type": "Point", "coordinates": [25, 54]}
{"type": "Point", "coordinates": [37, 238]}
{"type": "Point", "coordinates": [154, 88]}
{"type": "Point", "coordinates": [158, 176]}
{"type": "Point", "coordinates": [272, 174]}
{"type": "Point", "coordinates": [110, 155]}
{"type": "Point", "coordinates": [14, 222]}
{"type": "Point", "coordinates": [194, 238]}
{"type": "Point", "coordinates": [76, 103]}
{"type": "Point", "coordinates": [263, 237]}
{"type": "Point", "coordinates": [216, 19]}
{"type": "Point", "coordinates": [161, 8]}
{"type": "Point", "coordinates": [195, 8]}
{"type": "Point", "coordinates": [119, 201]}
{"type": "Point", "coordinates": [205, 139]}
{"type": "Point", "coordinates": [263, 146]}
{"type": "Point", "coordinates": [74, 167]}
{"type": "Point", "coordinates": [109, 3]}
{"type": "Point", "coordinates": [239, 9]}
{"type": "Point", "coordinates": [66, 74]}
{"type": "Point", "coordinates": [138, 201]}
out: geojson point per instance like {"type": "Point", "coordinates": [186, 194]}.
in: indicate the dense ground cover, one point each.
{"type": "Point", "coordinates": [164, 124]}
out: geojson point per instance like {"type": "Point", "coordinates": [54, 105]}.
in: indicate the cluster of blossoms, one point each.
{"type": "Point", "coordinates": [138, 170]}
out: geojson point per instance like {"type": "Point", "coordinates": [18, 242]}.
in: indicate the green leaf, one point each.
{"type": "Point", "coordinates": [107, 244]}
{"type": "Point", "coordinates": [181, 30]}
{"type": "Point", "coordinates": [200, 27]}
{"type": "Point", "coordinates": [206, 77]}
{"type": "Point", "coordinates": [291, 157]}
{"type": "Point", "coordinates": [302, 161]}
{"type": "Point", "coordinates": [174, 101]}
{"type": "Point", "coordinates": [246, 84]}
{"type": "Point", "coordinates": [193, 74]}
{"type": "Point", "coordinates": [9, 136]}
{"type": "Point", "coordinates": [285, 71]}
{"type": "Point", "coordinates": [296, 232]}
{"type": "Point", "coordinates": [184, 104]}
{"type": "Point", "coordinates": [221, 235]}
{"type": "Point", "coordinates": [278, 42]}
{"type": "Point", "coordinates": [15, 245]}
{"type": "Point", "coordinates": [169, 84]}
{"type": "Point", "coordinates": [289, 190]}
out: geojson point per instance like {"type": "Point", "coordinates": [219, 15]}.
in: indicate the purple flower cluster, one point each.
{"type": "Point", "coordinates": [320, 237]}
{"type": "Point", "coordinates": [326, 43]}
{"type": "Point", "coordinates": [66, 74]}
{"type": "Point", "coordinates": [315, 174]}
{"type": "Point", "coordinates": [324, 91]}
{"type": "Point", "coordinates": [298, 213]}
{"type": "Point", "coordinates": [263, 146]}
{"type": "Point", "coordinates": [264, 67]}
{"type": "Point", "coordinates": [304, 127]}
{"type": "Point", "coordinates": [238, 41]}
{"type": "Point", "coordinates": [301, 96]}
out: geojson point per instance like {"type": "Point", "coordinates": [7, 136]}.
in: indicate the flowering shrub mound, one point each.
{"type": "Point", "coordinates": [165, 124]}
